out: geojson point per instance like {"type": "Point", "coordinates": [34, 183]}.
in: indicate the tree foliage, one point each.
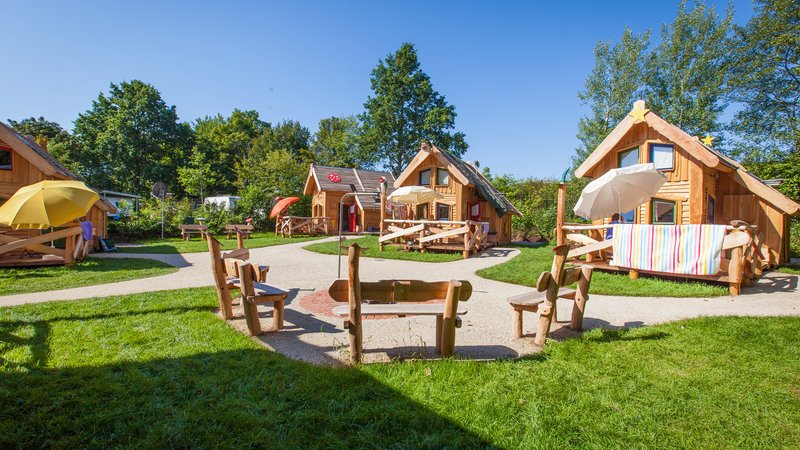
{"type": "Point", "coordinates": [615, 82]}
{"type": "Point", "coordinates": [405, 109]}
{"type": "Point", "coordinates": [130, 138]}
{"type": "Point", "coordinates": [336, 143]}
{"type": "Point", "coordinates": [40, 128]}
{"type": "Point", "coordinates": [687, 73]}
{"type": "Point", "coordinates": [766, 82]}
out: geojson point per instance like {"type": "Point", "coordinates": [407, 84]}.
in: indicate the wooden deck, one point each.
{"type": "Point", "coordinates": [604, 266]}
{"type": "Point", "coordinates": [467, 237]}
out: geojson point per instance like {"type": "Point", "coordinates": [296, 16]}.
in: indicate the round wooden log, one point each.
{"type": "Point", "coordinates": [581, 296]}
{"type": "Point", "coordinates": [449, 319]}
{"type": "Point", "coordinates": [354, 300]}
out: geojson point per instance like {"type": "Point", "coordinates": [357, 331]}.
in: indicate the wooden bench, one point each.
{"type": "Point", "coordinates": [398, 298]}
{"type": "Point", "coordinates": [225, 271]}
{"type": "Point", "coordinates": [245, 229]}
{"type": "Point", "coordinates": [543, 301]}
{"type": "Point", "coordinates": [254, 294]}
{"type": "Point", "coordinates": [188, 230]}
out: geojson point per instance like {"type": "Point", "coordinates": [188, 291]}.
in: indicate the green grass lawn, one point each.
{"type": "Point", "coordinates": [160, 370]}
{"type": "Point", "coordinates": [178, 245]}
{"type": "Point", "coordinates": [793, 269]}
{"type": "Point", "coordinates": [88, 272]}
{"type": "Point", "coordinates": [525, 269]}
{"type": "Point", "coordinates": [371, 244]}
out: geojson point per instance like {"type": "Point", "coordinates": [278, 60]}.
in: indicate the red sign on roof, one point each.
{"type": "Point", "coordinates": [334, 178]}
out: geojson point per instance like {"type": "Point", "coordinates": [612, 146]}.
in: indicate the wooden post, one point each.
{"type": "Point", "coordinates": [562, 200]}
{"type": "Point", "coordinates": [383, 218]}
{"type": "Point", "coordinates": [735, 270]}
{"type": "Point", "coordinates": [467, 238]}
{"type": "Point", "coordinates": [518, 322]}
{"type": "Point", "coordinates": [218, 269]}
{"type": "Point", "coordinates": [547, 309]}
{"type": "Point", "coordinates": [69, 250]}
{"type": "Point", "coordinates": [250, 309]}
{"type": "Point", "coordinates": [581, 296]}
{"type": "Point", "coordinates": [239, 239]}
{"type": "Point", "coordinates": [633, 274]}
{"type": "Point", "coordinates": [449, 319]}
{"type": "Point", "coordinates": [354, 300]}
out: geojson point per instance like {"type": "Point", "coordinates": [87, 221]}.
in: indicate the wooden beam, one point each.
{"type": "Point", "coordinates": [22, 243]}
{"type": "Point", "coordinates": [602, 245]}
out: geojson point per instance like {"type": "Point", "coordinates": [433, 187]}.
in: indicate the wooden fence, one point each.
{"type": "Point", "coordinates": [291, 225]}
{"type": "Point", "coordinates": [467, 237]}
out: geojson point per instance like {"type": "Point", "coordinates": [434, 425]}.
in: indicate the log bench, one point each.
{"type": "Point", "coordinates": [245, 229]}
{"type": "Point", "coordinates": [398, 298]}
{"type": "Point", "coordinates": [188, 230]}
{"type": "Point", "coordinates": [543, 301]}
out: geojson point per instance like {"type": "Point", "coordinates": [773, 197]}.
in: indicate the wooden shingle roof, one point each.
{"type": "Point", "coordinates": [341, 179]}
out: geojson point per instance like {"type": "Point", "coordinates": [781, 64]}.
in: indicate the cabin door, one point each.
{"type": "Point", "coordinates": [352, 217]}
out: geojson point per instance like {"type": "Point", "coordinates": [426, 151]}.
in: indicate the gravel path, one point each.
{"type": "Point", "coordinates": [486, 331]}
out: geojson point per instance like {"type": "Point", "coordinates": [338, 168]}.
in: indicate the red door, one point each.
{"type": "Point", "coordinates": [351, 218]}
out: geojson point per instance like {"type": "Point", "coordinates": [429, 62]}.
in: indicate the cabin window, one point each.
{"type": "Point", "coordinates": [663, 212]}
{"type": "Point", "coordinates": [629, 217]}
{"type": "Point", "coordinates": [442, 177]}
{"type": "Point", "coordinates": [442, 211]}
{"type": "Point", "coordinates": [422, 212]}
{"type": "Point", "coordinates": [425, 177]}
{"type": "Point", "coordinates": [628, 157]}
{"type": "Point", "coordinates": [5, 158]}
{"type": "Point", "coordinates": [662, 156]}
{"type": "Point", "coordinates": [710, 210]}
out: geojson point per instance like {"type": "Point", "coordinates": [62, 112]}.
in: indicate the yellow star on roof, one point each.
{"type": "Point", "coordinates": [708, 140]}
{"type": "Point", "coordinates": [638, 115]}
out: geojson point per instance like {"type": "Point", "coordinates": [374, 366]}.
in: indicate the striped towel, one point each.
{"type": "Point", "coordinates": [682, 249]}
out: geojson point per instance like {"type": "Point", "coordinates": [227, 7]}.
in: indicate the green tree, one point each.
{"type": "Point", "coordinates": [131, 138]}
{"type": "Point", "coordinates": [405, 109]}
{"type": "Point", "coordinates": [42, 129]}
{"type": "Point", "coordinates": [336, 143]}
{"type": "Point", "coordinates": [766, 82]}
{"type": "Point", "coordinates": [687, 73]}
{"type": "Point", "coordinates": [288, 135]}
{"type": "Point", "coordinates": [265, 176]}
{"type": "Point", "coordinates": [219, 144]}
{"type": "Point", "coordinates": [615, 82]}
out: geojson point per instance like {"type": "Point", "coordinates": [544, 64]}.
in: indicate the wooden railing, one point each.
{"type": "Point", "coordinates": [740, 268]}
{"type": "Point", "coordinates": [290, 225]}
{"type": "Point", "coordinates": [75, 248]}
{"type": "Point", "coordinates": [468, 237]}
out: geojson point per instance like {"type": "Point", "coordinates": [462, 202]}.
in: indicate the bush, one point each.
{"type": "Point", "coordinates": [147, 223]}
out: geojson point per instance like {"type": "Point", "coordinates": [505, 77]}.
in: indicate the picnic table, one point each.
{"type": "Point", "coordinates": [187, 230]}
{"type": "Point", "coordinates": [245, 229]}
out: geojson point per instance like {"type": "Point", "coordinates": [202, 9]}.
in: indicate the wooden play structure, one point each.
{"type": "Point", "coordinates": [232, 270]}
{"type": "Point", "coordinates": [467, 194]}
{"type": "Point", "coordinates": [398, 298]}
{"type": "Point", "coordinates": [20, 248]}
{"type": "Point", "coordinates": [328, 186]}
{"type": "Point", "coordinates": [23, 162]}
{"type": "Point", "coordinates": [548, 291]}
{"type": "Point", "coordinates": [467, 237]}
{"type": "Point", "coordinates": [703, 185]}
{"type": "Point", "coordinates": [287, 226]}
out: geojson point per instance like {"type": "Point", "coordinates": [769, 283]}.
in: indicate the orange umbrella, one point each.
{"type": "Point", "coordinates": [281, 205]}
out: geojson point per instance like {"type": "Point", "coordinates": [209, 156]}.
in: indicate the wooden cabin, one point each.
{"type": "Point", "coordinates": [704, 186]}
{"type": "Point", "coordinates": [328, 185]}
{"type": "Point", "coordinates": [24, 162]}
{"type": "Point", "coordinates": [468, 194]}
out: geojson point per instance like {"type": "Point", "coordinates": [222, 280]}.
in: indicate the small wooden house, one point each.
{"type": "Point", "coordinates": [24, 162]}
{"type": "Point", "coordinates": [468, 194]}
{"type": "Point", "coordinates": [328, 186]}
{"type": "Point", "coordinates": [704, 186]}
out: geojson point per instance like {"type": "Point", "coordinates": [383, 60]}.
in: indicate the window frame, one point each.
{"type": "Point", "coordinates": [436, 180]}
{"type": "Point", "coordinates": [449, 211]}
{"type": "Point", "coordinates": [10, 152]}
{"type": "Point", "coordinates": [653, 211]}
{"type": "Point", "coordinates": [423, 207]}
{"type": "Point", "coordinates": [428, 171]}
{"type": "Point", "coordinates": [711, 208]}
{"type": "Point", "coordinates": [629, 150]}
{"type": "Point", "coordinates": [651, 155]}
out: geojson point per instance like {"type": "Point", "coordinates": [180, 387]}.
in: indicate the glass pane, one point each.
{"type": "Point", "coordinates": [5, 159]}
{"type": "Point", "coordinates": [663, 212]}
{"type": "Point", "coordinates": [710, 218]}
{"type": "Point", "coordinates": [662, 156]}
{"type": "Point", "coordinates": [628, 157]}
{"type": "Point", "coordinates": [629, 217]}
{"type": "Point", "coordinates": [442, 212]}
{"type": "Point", "coordinates": [425, 178]}
{"type": "Point", "coordinates": [442, 177]}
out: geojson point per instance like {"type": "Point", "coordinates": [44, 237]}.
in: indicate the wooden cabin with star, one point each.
{"type": "Point", "coordinates": [703, 185]}
{"type": "Point", "coordinates": [353, 193]}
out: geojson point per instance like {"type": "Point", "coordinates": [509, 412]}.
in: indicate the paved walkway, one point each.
{"type": "Point", "coordinates": [486, 331]}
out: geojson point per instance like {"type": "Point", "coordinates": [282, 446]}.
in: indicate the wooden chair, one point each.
{"type": "Point", "coordinates": [392, 297]}
{"type": "Point", "coordinates": [544, 300]}
{"type": "Point", "coordinates": [254, 294]}
{"type": "Point", "coordinates": [225, 271]}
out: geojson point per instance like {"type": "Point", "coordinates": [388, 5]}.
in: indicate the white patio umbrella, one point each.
{"type": "Point", "coordinates": [619, 190]}
{"type": "Point", "coordinates": [414, 195]}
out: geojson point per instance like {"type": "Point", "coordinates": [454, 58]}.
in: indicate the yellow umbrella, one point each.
{"type": "Point", "coordinates": [47, 204]}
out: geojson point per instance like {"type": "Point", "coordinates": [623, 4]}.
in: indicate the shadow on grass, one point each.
{"type": "Point", "coordinates": [231, 398]}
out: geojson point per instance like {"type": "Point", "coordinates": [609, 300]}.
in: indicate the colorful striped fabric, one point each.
{"type": "Point", "coordinates": [682, 249]}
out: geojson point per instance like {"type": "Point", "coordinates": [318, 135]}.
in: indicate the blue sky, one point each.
{"type": "Point", "coordinates": [512, 69]}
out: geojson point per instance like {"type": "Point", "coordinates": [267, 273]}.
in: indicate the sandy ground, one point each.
{"type": "Point", "coordinates": [486, 330]}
